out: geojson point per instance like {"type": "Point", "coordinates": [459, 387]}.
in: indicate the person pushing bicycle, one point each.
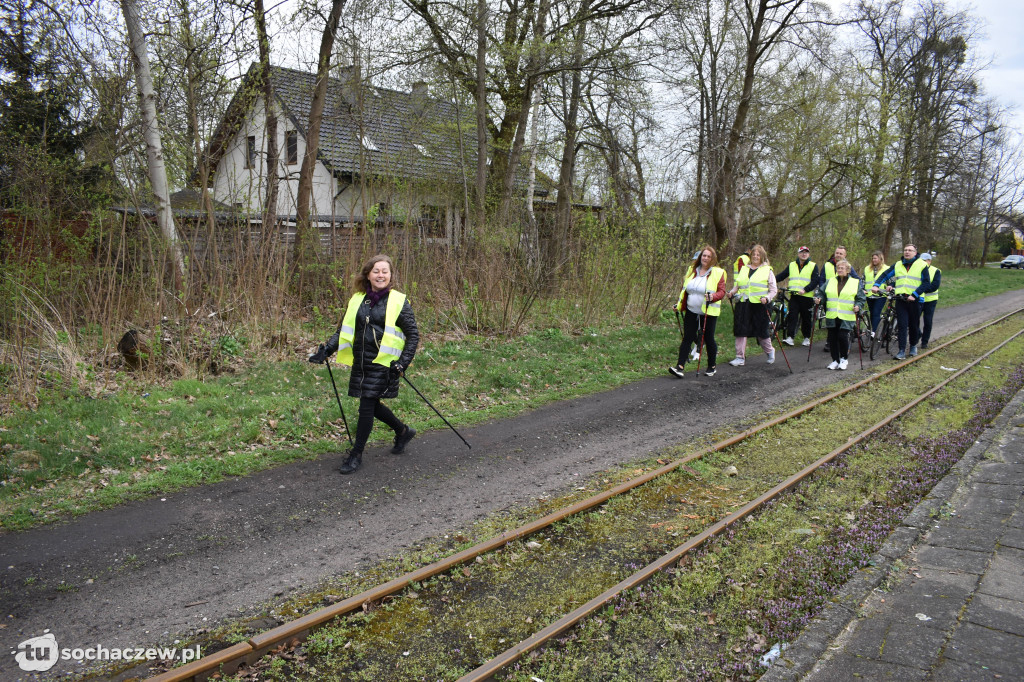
{"type": "Point", "coordinates": [910, 279]}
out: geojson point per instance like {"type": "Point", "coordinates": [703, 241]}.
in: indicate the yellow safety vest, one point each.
{"type": "Point", "coordinates": [714, 277]}
{"type": "Point", "coordinates": [870, 275]}
{"type": "Point", "coordinates": [840, 303]}
{"type": "Point", "coordinates": [752, 287]}
{"type": "Point", "coordinates": [391, 343]}
{"type": "Point", "coordinates": [800, 277]}
{"type": "Point", "coordinates": [829, 270]}
{"type": "Point", "coordinates": [933, 296]}
{"type": "Point", "coordinates": [907, 281]}
{"type": "Point", "coordinates": [739, 264]}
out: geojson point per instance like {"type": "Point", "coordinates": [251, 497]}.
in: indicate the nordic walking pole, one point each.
{"type": "Point", "coordinates": [703, 330]}
{"type": "Point", "coordinates": [424, 398]}
{"type": "Point", "coordinates": [679, 324]}
{"type": "Point", "coordinates": [856, 329]}
{"type": "Point", "coordinates": [776, 332]}
{"type": "Point", "coordinates": [327, 362]}
{"type": "Point", "coordinates": [814, 321]}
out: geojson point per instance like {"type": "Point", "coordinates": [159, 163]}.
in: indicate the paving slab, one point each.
{"type": "Point", "coordinates": [958, 671]}
{"type": "Point", "coordinates": [994, 649]}
{"type": "Point", "coordinates": [963, 537]}
{"type": "Point", "coordinates": [996, 613]}
{"type": "Point", "coordinates": [1012, 537]}
{"type": "Point", "coordinates": [1004, 578]}
{"type": "Point", "coordinates": [845, 667]}
{"type": "Point", "coordinates": [950, 559]}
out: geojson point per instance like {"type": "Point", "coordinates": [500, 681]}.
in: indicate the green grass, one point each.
{"type": "Point", "coordinates": [969, 285]}
{"type": "Point", "coordinates": [76, 453]}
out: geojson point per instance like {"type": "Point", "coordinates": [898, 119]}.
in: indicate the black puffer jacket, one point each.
{"type": "Point", "coordinates": [368, 379]}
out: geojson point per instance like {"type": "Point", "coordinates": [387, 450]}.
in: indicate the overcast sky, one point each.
{"type": "Point", "coordinates": [1004, 45]}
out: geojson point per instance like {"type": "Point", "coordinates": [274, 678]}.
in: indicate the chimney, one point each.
{"type": "Point", "coordinates": [419, 96]}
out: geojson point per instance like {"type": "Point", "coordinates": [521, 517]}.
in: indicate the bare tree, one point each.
{"type": "Point", "coordinates": [151, 131]}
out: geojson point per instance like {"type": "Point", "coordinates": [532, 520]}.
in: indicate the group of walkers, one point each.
{"type": "Point", "coordinates": [834, 287]}
{"type": "Point", "coordinates": [378, 336]}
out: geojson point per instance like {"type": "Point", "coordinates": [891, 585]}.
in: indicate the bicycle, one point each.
{"type": "Point", "coordinates": [779, 310]}
{"type": "Point", "coordinates": [886, 332]}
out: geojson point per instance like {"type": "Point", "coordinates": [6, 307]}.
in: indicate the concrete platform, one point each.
{"type": "Point", "coordinates": [945, 598]}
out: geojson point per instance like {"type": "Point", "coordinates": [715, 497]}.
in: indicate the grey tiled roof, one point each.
{"type": "Point", "coordinates": [415, 136]}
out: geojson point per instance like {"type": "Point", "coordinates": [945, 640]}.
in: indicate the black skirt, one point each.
{"type": "Point", "coordinates": [750, 319]}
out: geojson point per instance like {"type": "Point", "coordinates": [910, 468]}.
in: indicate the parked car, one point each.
{"type": "Point", "coordinates": [1013, 262]}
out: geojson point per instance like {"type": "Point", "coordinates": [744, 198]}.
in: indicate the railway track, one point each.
{"type": "Point", "coordinates": [674, 483]}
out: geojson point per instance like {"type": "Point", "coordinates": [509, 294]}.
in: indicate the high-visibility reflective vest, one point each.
{"type": "Point", "coordinates": [739, 264]}
{"type": "Point", "coordinates": [840, 303]}
{"type": "Point", "coordinates": [752, 287]}
{"type": "Point", "coordinates": [390, 344]}
{"type": "Point", "coordinates": [800, 277]}
{"type": "Point", "coordinates": [909, 279]}
{"type": "Point", "coordinates": [870, 275]}
{"type": "Point", "coordinates": [933, 296]}
{"type": "Point", "coordinates": [828, 270]}
{"type": "Point", "coordinates": [714, 277]}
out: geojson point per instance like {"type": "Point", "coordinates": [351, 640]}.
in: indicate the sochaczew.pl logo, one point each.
{"type": "Point", "coordinates": [39, 654]}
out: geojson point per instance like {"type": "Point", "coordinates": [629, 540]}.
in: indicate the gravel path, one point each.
{"type": "Point", "coordinates": [148, 570]}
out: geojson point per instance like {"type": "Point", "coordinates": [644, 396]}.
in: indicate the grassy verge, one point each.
{"type": "Point", "coordinates": [96, 446]}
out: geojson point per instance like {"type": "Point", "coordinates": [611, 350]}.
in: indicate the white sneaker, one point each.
{"type": "Point", "coordinates": [833, 365]}
{"type": "Point", "coordinates": [737, 362]}
{"type": "Point", "coordinates": [842, 363]}
{"type": "Point", "coordinates": [806, 342]}
{"type": "Point", "coordinates": [771, 357]}
{"type": "Point", "coordinates": [788, 340]}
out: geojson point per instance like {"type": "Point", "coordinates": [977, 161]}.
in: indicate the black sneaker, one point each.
{"type": "Point", "coordinates": [402, 439]}
{"type": "Point", "coordinates": [352, 462]}
{"type": "Point", "coordinates": [710, 371]}
{"type": "Point", "coordinates": [676, 372]}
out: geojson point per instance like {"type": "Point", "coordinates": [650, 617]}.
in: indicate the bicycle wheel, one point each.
{"type": "Point", "coordinates": [864, 330]}
{"type": "Point", "coordinates": [889, 332]}
{"type": "Point", "coordinates": [876, 342]}
{"type": "Point", "coordinates": [882, 333]}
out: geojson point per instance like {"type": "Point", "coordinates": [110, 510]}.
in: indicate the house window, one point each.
{"type": "Point", "coordinates": [250, 151]}
{"type": "Point", "coordinates": [422, 150]}
{"type": "Point", "coordinates": [291, 146]}
{"type": "Point", "coordinates": [432, 221]}
{"type": "Point", "coordinates": [369, 144]}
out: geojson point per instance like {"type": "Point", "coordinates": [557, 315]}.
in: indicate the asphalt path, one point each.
{"type": "Point", "coordinates": [147, 572]}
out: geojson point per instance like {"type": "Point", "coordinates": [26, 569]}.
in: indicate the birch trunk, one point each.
{"type": "Point", "coordinates": [151, 133]}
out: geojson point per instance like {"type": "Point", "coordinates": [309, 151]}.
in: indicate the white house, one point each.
{"type": "Point", "coordinates": [385, 156]}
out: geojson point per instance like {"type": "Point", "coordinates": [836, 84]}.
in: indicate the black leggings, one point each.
{"type": "Point", "coordinates": [692, 324]}
{"type": "Point", "coordinates": [839, 343]}
{"type": "Point", "coordinates": [370, 408]}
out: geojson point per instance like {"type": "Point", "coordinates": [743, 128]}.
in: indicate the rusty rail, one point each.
{"type": "Point", "coordinates": [538, 639]}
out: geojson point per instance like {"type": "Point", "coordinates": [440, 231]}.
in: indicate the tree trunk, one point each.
{"type": "Point", "coordinates": [270, 207]}
{"type": "Point", "coordinates": [481, 114]}
{"type": "Point", "coordinates": [567, 169]}
{"type": "Point", "coordinates": [303, 248]}
{"type": "Point", "coordinates": [151, 132]}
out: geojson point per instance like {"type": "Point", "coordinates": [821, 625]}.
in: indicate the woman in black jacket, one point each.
{"type": "Point", "coordinates": [378, 338]}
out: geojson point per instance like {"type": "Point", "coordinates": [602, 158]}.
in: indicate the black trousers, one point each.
{"type": "Point", "coordinates": [927, 313]}
{"type": "Point", "coordinates": [692, 324]}
{"type": "Point", "coordinates": [800, 307]}
{"type": "Point", "coordinates": [908, 321]}
{"type": "Point", "coordinates": [839, 343]}
{"type": "Point", "coordinates": [369, 409]}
